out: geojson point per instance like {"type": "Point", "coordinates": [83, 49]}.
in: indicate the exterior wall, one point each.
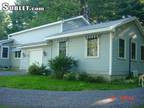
{"type": "Point", "coordinates": [121, 66]}
{"type": "Point", "coordinates": [76, 48]}
{"type": "Point", "coordinates": [5, 63]}
{"type": "Point", "coordinates": [36, 35]}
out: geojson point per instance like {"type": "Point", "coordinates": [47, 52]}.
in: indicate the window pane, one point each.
{"type": "Point", "coordinates": [5, 53]}
{"type": "Point", "coordinates": [62, 48]}
{"type": "Point", "coordinates": [142, 52]}
{"type": "Point", "coordinates": [92, 47]}
{"type": "Point", "coordinates": [19, 54]}
{"type": "Point", "coordinates": [133, 51]}
{"type": "Point", "coordinates": [15, 54]}
{"type": "Point", "coordinates": [121, 48]}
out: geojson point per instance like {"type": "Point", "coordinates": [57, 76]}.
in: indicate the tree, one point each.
{"type": "Point", "coordinates": [103, 10]}
{"type": "Point", "coordinates": [56, 10]}
{"type": "Point", "coordinates": [4, 22]}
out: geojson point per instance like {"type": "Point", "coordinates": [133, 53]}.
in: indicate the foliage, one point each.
{"type": "Point", "coordinates": [104, 10]}
{"type": "Point", "coordinates": [97, 10]}
{"type": "Point", "coordinates": [46, 83]}
{"type": "Point", "coordinates": [72, 76]}
{"type": "Point", "coordinates": [35, 69]}
{"type": "Point", "coordinates": [62, 64]}
{"type": "Point", "coordinates": [4, 22]}
{"type": "Point", "coordinates": [77, 76]}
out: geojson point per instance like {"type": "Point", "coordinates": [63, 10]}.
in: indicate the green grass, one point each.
{"type": "Point", "coordinates": [47, 83]}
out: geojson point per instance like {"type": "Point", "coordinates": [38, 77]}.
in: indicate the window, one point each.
{"type": "Point", "coordinates": [5, 52]}
{"type": "Point", "coordinates": [142, 52]}
{"type": "Point", "coordinates": [17, 54]}
{"type": "Point", "coordinates": [62, 48]}
{"type": "Point", "coordinates": [133, 50]}
{"type": "Point", "coordinates": [121, 48]}
{"type": "Point", "coordinates": [92, 47]}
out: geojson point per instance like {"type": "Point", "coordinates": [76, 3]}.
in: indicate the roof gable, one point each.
{"type": "Point", "coordinates": [54, 23]}
{"type": "Point", "coordinates": [101, 27]}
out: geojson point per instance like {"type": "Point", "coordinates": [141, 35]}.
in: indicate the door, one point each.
{"type": "Point", "coordinates": [35, 56]}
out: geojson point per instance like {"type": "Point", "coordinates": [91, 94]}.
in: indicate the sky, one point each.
{"type": "Point", "coordinates": [11, 2]}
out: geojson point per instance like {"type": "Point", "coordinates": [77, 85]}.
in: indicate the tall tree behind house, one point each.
{"type": "Point", "coordinates": [84, 9]}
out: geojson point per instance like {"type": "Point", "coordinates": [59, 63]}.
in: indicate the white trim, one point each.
{"type": "Point", "coordinates": [122, 58]}
{"type": "Point", "coordinates": [2, 52]}
{"type": "Point", "coordinates": [77, 18]}
{"type": "Point", "coordinates": [98, 45]}
{"type": "Point", "coordinates": [30, 46]}
{"type": "Point", "coordinates": [110, 53]}
{"type": "Point", "coordinates": [78, 33]}
{"type": "Point", "coordinates": [35, 28]}
{"type": "Point", "coordinates": [46, 25]}
{"type": "Point", "coordinates": [67, 44]}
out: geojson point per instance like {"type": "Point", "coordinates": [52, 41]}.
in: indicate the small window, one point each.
{"type": "Point", "coordinates": [92, 46]}
{"type": "Point", "coordinates": [133, 50]}
{"type": "Point", "coordinates": [17, 54]}
{"type": "Point", "coordinates": [121, 48]}
{"type": "Point", "coordinates": [142, 52]}
{"type": "Point", "coordinates": [62, 48]}
{"type": "Point", "coordinates": [5, 52]}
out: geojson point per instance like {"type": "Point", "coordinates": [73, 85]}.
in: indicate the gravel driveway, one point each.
{"type": "Point", "coordinates": [8, 73]}
{"type": "Point", "coordinates": [17, 98]}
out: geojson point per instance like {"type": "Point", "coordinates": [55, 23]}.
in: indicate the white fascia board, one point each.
{"type": "Point", "coordinates": [79, 33]}
{"type": "Point", "coordinates": [124, 22]}
{"type": "Point", "coordinates": [35, 28]}
{"type": "Point", "coordinates": [77, 18]}
{"type": "Point", "coordinates": [30, 46]}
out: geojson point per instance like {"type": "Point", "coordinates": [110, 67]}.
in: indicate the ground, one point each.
{"type": "Point", "coordinates": [18, 98]}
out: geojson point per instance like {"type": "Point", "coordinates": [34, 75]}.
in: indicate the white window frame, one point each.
{"type": "Point", "coordinates": [67, 45]}
{"type": "Point", "coordinates": [135, 51]}
{"type": "Point", "coordinates": [140, 52]}
{"type": "Point", "coordinates": [17, 57]}
{"type": "Point", "coordinates": [124, 58]}
{"type": "Point", "coordinates": [2, 52]}
{"type": "Point", "coordinates": [98, 45]}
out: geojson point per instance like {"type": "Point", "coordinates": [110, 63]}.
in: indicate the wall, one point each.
{"type": "Point", "coordinates": [76, 48]}
{"type": "Point", "coordinates": [6, 62]}
{"type": "Point", "coordinates": [121, 66]}
{"type": "Point", "coordinates": [36, 35]}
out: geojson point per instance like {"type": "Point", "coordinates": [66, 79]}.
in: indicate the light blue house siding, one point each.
{"type": "Point", "coordinates": [121, 66]}
{"type": "Point", "coordinates": [99, 65]}
{"type": "Point", "coordinates": [5, 63]}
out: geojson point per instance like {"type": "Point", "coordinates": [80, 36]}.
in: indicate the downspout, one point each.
{"type": "Point", "coordinates": [110, 53]}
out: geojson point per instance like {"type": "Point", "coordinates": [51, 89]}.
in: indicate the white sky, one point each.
{"type": "Point", "coordinates": [11, 2]}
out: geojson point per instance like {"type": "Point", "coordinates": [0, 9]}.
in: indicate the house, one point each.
{"type": "Point", "coordinates": [107, 49]}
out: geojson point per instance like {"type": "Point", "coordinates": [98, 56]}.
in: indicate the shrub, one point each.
{"type": "Point", "coordinates": [71, 76]}
{"type": "Point", "coordinates": [35, 69]}
{"type": "Point", "coordinates": [61, 64]}
{"type": "Point", "coordinates": [88, 78]}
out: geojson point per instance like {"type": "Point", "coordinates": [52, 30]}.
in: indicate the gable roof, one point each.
{"type": "Point", "coordinates": [50, 24]}
{"type": "Point", "coordinates": [5, 41]}
{"type": "Point", "coordinates": [101, 27]}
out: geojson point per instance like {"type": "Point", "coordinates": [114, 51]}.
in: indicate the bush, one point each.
{"type": "Point", "coordinates": [35, 69]}
{"type": "Point", "coordinates": [61, 64]}
{"type": "Point", "coordinates": [71, 76]}
{"type": "Point", "coordinates": [84, 77]}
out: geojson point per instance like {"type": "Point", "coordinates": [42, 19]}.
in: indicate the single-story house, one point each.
{"type": "Point", "coordinates": [110, 48]}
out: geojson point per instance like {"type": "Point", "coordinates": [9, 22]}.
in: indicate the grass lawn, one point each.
{"type": "Point", "coordinates": [46, 83]}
